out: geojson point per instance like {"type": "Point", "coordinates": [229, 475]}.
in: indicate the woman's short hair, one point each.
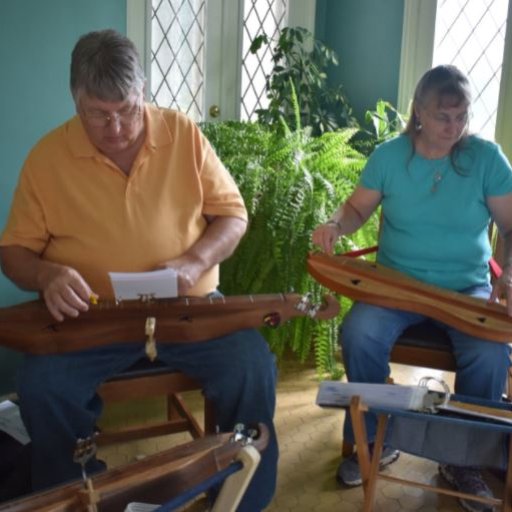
{"type": "Point", "coordinates": [446, 84]}
{"type": "Point", "coordinates": [105, 65]}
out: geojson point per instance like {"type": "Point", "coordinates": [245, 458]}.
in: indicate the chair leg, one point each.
{"type": "Point", "coordinates": [210, 424]}
{"type": "Point", "coordinates": [347, 449]}
{"type": "Point", "coordinates": [176, 407]}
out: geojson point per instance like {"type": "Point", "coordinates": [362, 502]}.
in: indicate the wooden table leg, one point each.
{"type": "Point", "coordinates": [368, 466]}
{"type": "Point", "coordinates": [357, 410]}
{"type": "Point", "coordinates": [370, 495]}
{"type": "Point", "coordinates": [507, 491]}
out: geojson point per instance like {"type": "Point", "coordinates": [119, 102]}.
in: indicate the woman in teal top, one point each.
{"type": "Point", "coordinates": [439, 188]}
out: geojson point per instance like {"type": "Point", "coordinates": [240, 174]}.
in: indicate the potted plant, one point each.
{"type": "Point", "coordinates": [291, 182]}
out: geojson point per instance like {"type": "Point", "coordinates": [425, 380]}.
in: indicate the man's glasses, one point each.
{"type": "Point", "coordinates": [99, 119]}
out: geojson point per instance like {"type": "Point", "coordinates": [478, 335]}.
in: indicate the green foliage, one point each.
{"type": "Point", "coordinates": [300, 62]}
{"type": "Point", "coordinates": [385, 122]}
{"type": "Point", "coordinates": [290, 183]}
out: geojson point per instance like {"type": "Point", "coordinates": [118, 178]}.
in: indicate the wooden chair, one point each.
{"type": "Point", "coordinates": [427, 346]}
{"type": "Point", "coordinates": [149, 380]}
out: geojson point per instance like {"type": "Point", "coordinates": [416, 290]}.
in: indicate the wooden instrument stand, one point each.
{"type": "Point", "coordinates": [158, 478]}
{"type": "Point", "coordinates": [369, 466]}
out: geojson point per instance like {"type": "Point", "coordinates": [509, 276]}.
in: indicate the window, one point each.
{"type": "Point", "coordinates": [472, 35]}
{"type": "Point", "coordinates": [268, 17]}
{"type": "Point", "coordinates": [178, 35]}
{"type": "Point", "coordinates": [195, 52]}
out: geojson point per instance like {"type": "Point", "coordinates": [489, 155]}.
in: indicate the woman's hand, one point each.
{"type": "Point", "coordinates": [326, 235]}
{"type": "Point", "coordinates": [503, 289]}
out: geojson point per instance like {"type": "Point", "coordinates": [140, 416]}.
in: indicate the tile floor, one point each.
{"type": "Point", "coordinates": [310, 444]}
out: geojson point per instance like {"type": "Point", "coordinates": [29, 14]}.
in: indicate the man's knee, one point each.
{"type": "Point", "coordinates": [250, 347]}
{"type": "Point", "coordinates": [33, 381]}
{"type": "Point", "coordinates": [249, 361]}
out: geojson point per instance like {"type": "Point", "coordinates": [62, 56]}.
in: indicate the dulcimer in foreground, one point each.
{"type": "Point", "coordinates": [381, 286]}
{"type": "Point", "coordinates": [29, 327]}
{"type": "Point", "coordinates": [155, 479]}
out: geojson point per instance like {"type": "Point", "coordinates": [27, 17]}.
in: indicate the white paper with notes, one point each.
{"type": "Point", "coordinates": [158, 284]}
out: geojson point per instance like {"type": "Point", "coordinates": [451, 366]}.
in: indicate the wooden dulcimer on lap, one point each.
{"type": "Point", "coordinates": [378, 285]}
{"type": "Point", "coordinates": [154, 479]}
{"type": "Point", "coordinates": [29, 327]}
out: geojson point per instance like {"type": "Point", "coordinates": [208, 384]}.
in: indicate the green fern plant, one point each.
{"type": "Point", "coordinates": [290, 182]}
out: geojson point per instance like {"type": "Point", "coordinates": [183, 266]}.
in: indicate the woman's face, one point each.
{"type": "Point", "coordinates": [442, 122]}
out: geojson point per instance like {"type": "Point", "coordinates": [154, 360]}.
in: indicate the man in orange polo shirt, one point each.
{"type": "Point", "coordinates": [127, 187]}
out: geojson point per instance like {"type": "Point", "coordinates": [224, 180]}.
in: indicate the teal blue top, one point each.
{"type": "Point", "coordinates": [435, 217]}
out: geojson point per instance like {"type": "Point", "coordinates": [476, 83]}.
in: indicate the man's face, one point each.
{"type": "Point", "coordinates": [112, 127]}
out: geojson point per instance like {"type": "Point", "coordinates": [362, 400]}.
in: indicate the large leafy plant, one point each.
{"type": "Point", "coordinates": [383, 123]}
{"type": "Point", "coordinates": [291, 182]}
{"type": "Point", "coordinates": [300, 61]}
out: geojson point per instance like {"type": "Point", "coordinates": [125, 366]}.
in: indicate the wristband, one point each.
{"type": "Point", "coordinates": [334, 223]}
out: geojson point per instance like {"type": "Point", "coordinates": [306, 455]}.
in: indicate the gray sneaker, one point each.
{"type": "Point", "coordinates": [348, 471]}
{"type": "Point", "coordinates": [468, 480]}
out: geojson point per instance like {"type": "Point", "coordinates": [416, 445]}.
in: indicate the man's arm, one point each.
{"type": "Point", "coordinates": [62, 288]}
{"type": "Point", "coordinates": [218, 242]}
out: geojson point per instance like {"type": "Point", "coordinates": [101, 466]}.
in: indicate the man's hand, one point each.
{"type": "Point", "coordinates": [64, 291]}
{"type": "Point", "coordinates": [218, 241]}
{"type": "Point", "coordinates": [189, 271]}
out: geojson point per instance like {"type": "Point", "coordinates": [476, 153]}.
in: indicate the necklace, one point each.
{"type": "Point", "coordinates": [436, 180]}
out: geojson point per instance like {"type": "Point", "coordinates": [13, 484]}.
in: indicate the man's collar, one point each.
{"type": "Point", "coordinates": [157, 133]}
{"type": "Point", "coordinates": [79, 142]}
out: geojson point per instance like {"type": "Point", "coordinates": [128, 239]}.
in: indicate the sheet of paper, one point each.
{"type": "Point", "coordinates": [11, 423]}
{"type": "Point", "coordinates": [339, 394]}
{"type": "Point", "coordinates": [158, 284]}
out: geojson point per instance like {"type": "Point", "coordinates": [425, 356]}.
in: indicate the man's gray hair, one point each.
{"type": "Point", "coordinates": [105, 65]}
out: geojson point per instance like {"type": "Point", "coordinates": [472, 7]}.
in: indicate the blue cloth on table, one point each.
{"type": "Point", "coordinates": [451, 438]}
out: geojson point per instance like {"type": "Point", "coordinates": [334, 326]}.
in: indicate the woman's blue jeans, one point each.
{"type": "Point", "coordinates": [59, 403]}
{"type": "Point", "coordinates": [368, 333]}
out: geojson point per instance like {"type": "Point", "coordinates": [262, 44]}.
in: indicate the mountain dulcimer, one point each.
{"type": "Point", "coordinates": [30, 328]}
{"type": "Point", "coordinates": [381, 286]}
{"type": "Point", "coordinates": [155, 479]}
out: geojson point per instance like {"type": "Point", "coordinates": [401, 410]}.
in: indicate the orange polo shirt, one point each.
{"type": "Point", "coordinates": [76, 207]}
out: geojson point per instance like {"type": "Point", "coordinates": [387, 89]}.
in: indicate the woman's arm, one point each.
{"type": "Point", "coordinates": [348, 218]}
{"type": "Point", "coordinates": [501, 211]}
